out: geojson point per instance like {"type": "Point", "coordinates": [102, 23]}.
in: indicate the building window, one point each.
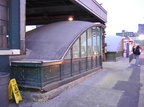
{"type": "Point", "coordinates": [3, 24]}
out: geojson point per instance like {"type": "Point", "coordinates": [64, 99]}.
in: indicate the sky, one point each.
{"type": "Point", "coordinates": [123, 15]}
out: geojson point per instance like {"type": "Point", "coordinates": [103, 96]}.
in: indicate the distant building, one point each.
{"type": "Point", "coordinates": [124, 33]}
{"type": "Point", "coordinates": [140, 29]}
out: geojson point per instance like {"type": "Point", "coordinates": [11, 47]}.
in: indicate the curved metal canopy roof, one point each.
{"type": "Point", "coordinates": [52, 42]}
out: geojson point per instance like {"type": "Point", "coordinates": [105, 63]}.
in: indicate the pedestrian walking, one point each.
{"type": "Point", "coordinates": [137, 52]}
{"type": "Point", "coordinates": [133, 50]}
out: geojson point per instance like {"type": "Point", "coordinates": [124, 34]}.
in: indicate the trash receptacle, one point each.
{"type": "Point", "coordinates": [4, 80]}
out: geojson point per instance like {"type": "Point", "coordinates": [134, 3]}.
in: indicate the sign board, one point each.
{"type": "Point", "coordinates": [14, 90]}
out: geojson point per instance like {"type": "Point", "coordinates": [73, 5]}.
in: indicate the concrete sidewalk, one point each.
{"type": "Point", "coordinates": [118, 84]}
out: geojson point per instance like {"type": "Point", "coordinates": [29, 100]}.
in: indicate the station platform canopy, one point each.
{"type": "Point", "coordinates": [114, 43]}
{"type": "Point", "coordinates": [53, 41]}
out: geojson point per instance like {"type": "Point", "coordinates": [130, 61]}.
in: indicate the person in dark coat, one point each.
{"type": "Point", "coordinates": [137, 52]}
{"type": "Point", "coordinates": [133, 50]}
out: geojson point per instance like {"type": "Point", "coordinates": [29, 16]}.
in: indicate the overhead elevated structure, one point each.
{"type": "Point", "coordinates": [48, 11]}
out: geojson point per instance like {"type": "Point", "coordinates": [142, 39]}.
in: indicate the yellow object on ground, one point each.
{"type": "Point", "coordinates": [13, 89]}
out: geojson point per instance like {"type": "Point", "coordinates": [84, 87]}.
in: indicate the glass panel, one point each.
{"type": "Point", "coordinates": [83, 45]}
{"type": "Point", "coordinates": [76, 53]}
{"type": "Point", "coordinates": [98, 36]}
{"type": "Point", "coordinates": [94, 41]}
{"type": "Point", "coordinates": [68, 55]}
{"type": "Point", "coordinates": [89, 42]}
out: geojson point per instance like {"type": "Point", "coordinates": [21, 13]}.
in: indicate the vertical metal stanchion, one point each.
{"type": "Point", "coordinates": [127, 49]}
